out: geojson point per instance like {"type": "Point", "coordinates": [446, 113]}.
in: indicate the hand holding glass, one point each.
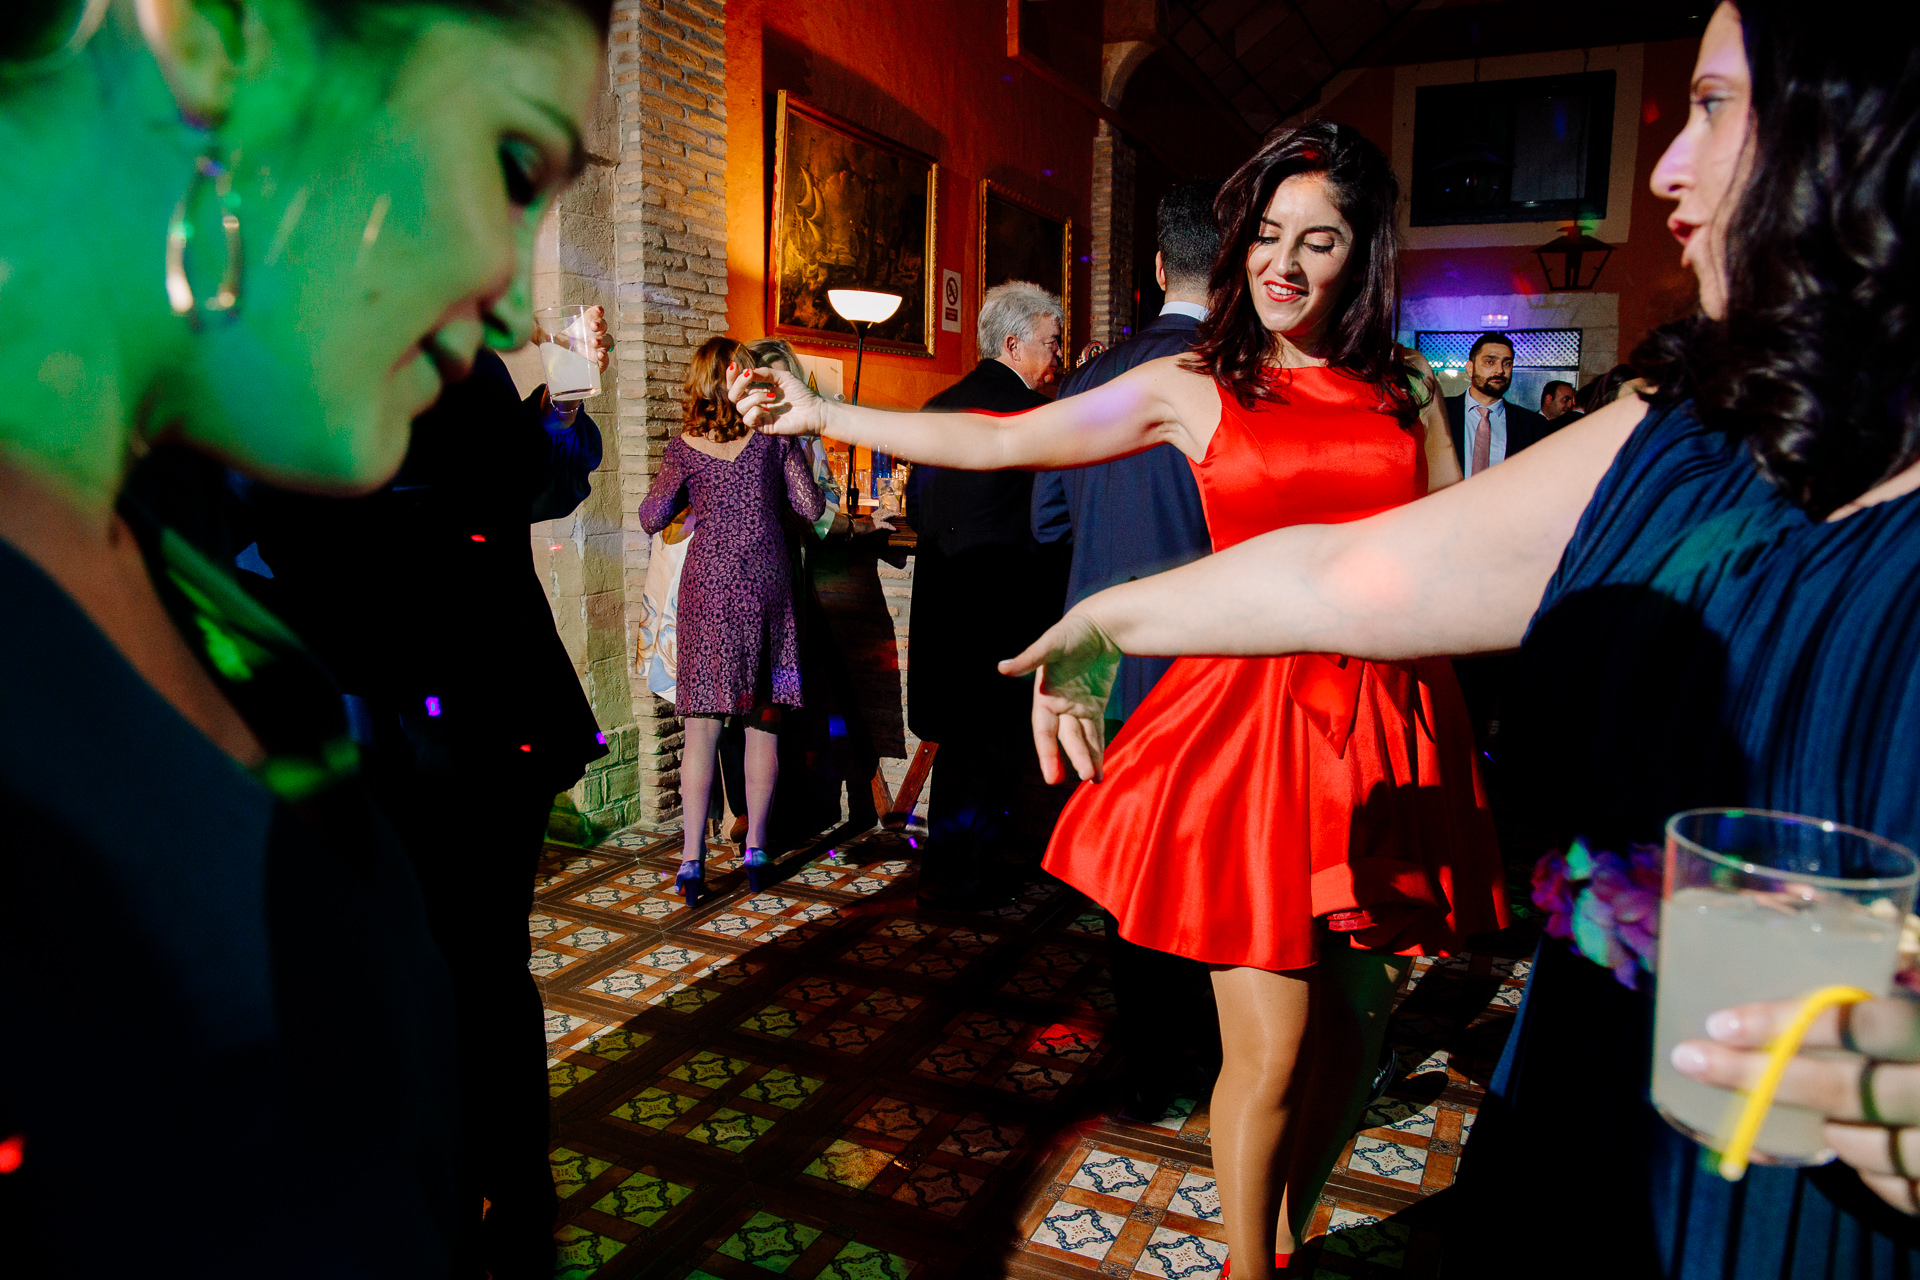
{"type": "Point", "coordinates": [1764, 906]}
{"type": "Point", "coordinates": [573, 352]}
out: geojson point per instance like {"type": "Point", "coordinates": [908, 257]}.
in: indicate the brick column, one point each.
{"type": "Point", "coordinates": [1113, 168]}
{"type": "Point", "coordinates": [668, 63]}
{"type": "Point", "coordinates": [579, 558]}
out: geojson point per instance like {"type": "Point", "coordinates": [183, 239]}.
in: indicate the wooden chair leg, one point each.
{"type": "Point", "coordinates": [900, 812]}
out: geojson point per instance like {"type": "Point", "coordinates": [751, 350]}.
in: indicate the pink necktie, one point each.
{"type": "Point", "coordinates": [1482, 441]}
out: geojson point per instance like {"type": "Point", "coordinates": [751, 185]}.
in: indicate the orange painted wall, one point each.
{"type": "Point", "coordinates": [1645, 271]}
{"type": "Point", "coordinates": [933, 75]}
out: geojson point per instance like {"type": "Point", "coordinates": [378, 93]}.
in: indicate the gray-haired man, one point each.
{"type": "Point", "coordinates": [983, 589]}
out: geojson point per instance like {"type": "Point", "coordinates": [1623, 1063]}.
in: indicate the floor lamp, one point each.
{"type": "Point", "coordinates": [862, 308]}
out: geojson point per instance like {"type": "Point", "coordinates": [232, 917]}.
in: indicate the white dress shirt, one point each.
{"type": "Point", "coordinates": [1497, 413]}
{"type": "Point", "coordinates": [1193, 309]}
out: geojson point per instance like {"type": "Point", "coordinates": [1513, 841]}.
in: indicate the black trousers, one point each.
{"type": "Point", "coordinates": [972, 789]}
{"type": "Point", "coordinates": [474, 843]}
{"type": "Point", "coordinates": [1164, 1021]}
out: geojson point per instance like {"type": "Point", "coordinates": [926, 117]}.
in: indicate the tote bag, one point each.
{"type": "Point", "coordinates": [659, 655]}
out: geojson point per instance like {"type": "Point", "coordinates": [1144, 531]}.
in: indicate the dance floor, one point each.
{"type": "Point", "coordinates": [822, 1081]}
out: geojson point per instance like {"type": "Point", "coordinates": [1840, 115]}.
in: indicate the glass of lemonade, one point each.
{"type": "Point", "coordinates": [1766, 906]}
{"type": "Point", "coordinates": [566, 356]}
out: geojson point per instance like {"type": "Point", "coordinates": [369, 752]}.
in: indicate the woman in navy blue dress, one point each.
{"type": "Point", "coordinates": [1718, 590]}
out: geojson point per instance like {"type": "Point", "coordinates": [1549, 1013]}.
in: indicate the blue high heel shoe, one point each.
{"type": "Point", "coordinates": [691, 883]}
{"type": "Point", "coordinates": [759, 869]}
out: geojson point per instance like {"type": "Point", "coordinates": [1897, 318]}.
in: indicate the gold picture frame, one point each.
{"type": "Point", "coordinates": [851, 210]}
{"type": "Point", "coordinates": [1017, 243]}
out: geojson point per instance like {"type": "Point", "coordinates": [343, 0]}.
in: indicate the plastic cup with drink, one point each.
{"type": "Point", "coordinates": [569, 355]}
{"type": "Point", "coordinates": [1760, 906]}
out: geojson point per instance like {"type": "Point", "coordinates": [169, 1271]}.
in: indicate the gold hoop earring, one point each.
{"type": "Point", "coordinates": [207, 167]}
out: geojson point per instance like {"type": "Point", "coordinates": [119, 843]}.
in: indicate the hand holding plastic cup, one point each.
{"type": "Point", "coordinates": [572, 352]}
{"type": "Point", "coordinates": [1761, 906]}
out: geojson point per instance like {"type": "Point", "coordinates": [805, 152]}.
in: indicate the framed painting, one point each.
{"type": "Point", "coordinates": [1021, 241]}
{"type": "Point", "coordinates": [851, 210]}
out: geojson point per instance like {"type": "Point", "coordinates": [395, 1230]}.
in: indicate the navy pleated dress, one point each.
{"type": "Point", "coordinates": [1703, 643]}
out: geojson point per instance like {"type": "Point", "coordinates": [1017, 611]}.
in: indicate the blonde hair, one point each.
{"type": "Point", "coordinates": [764, 349]}
{"type": "Point", "coordinates": [703, 397]}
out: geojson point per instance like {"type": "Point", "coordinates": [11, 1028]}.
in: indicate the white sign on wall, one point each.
{"type": "Point", "coordinates": [827, 375]}
{"type": "Point", "coordinates": [950, 301]}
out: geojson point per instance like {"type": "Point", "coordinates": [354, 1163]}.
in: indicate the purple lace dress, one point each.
{"type": "Point", "coordinates": [738, 643]}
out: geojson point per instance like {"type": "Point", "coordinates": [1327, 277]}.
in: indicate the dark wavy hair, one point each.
{"type": "Point", "coordinates": [1816, 365]}
{"type": "Point", "coordinates": [1234, 346]}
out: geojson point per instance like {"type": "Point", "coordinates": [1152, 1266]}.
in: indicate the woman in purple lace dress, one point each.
{"type": "Point", "coordinates": [739, 646]}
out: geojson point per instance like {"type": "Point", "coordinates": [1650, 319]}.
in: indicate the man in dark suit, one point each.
{"type": "Point", "coordinates": [1487, 428]}
{"type": "Point", "coordinates": [1557, 403]}
{"type": "Point", "coordinates": [983, 589]}
{"type": "Point", "coordinates": [424, 601]}
{"type": "Point", "coordinates": [1128, 519]}
{"type": "Point", "coordinates": [1138, 516]}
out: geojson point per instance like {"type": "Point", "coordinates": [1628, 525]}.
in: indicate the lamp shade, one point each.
{"type": "Point", "coordinates": [863, 306]}
{"type": "Point", "coordinates": [1572, 263]}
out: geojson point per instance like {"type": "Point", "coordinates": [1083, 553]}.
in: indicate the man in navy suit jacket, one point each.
{"type": "Point", "coordinates": [1129, 518]}
{"type": "Point", "coordinates": [1138, 516]}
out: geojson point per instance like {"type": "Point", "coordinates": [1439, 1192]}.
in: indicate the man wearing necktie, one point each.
{"type": "Point", "coordinates": [1486, 428]}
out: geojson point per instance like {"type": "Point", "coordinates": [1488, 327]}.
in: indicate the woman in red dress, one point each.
{"type": "Point", "coordinates": [1301, 824]}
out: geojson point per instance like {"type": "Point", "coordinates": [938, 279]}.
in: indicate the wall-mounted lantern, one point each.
{"type": "Point", "coordinates": [1573, 262]}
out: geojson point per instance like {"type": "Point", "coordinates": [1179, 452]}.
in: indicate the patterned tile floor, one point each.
{"type": "Point", "coordinates": [821, 1081]}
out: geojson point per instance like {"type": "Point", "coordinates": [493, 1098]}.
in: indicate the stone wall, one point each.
{"type": "Point", "coordinates": [580, 558]}
{"type": "Point", "coordinates": [643, 234]}
{"type": "Point", "coordinates": [668, 65]}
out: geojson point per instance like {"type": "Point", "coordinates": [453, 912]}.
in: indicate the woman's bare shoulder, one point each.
{"type": "Point", "coordinates": [1174, 378]}
{"type": "Point", "coordinates": [1187, 400]}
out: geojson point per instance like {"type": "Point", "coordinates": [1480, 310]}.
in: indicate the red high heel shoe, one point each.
{"type": "Point", "coordinates": [1280, 1261]}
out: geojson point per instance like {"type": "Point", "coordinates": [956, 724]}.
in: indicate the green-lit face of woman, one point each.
{"type": "Point", "coordinates": [389, 205]}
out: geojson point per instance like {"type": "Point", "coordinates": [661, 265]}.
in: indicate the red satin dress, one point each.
{"type": "Point", "coordinates": [1249, 799]}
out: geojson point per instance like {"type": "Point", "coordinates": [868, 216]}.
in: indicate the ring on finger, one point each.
{"type": "Point", "coordinates": [1869, 1109]}
{"type": "Point", "coordinates": [1847, 1041]}
{"type": "Point", "coordinates": [1895, 1158]}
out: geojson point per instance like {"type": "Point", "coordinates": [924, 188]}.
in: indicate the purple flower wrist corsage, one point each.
{"type": "Point", "coordinates": [1607, 905]}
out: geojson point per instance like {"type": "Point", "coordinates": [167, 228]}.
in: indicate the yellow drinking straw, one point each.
{"type": "Point", "coordinates": [1733, 1161]}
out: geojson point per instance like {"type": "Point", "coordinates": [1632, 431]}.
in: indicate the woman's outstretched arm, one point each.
{"type": "Point", "coordinates": [1460, 571]}
{"type": "Point", "coordinates": [1156, 403]}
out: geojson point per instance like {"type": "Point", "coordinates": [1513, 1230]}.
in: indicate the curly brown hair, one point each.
{"type": "Point", "coordinates": [703, 397]}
